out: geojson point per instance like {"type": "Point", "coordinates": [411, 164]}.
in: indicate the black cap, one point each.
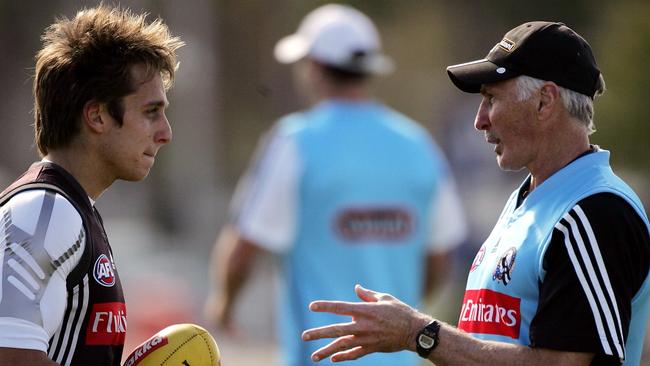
{"type": "Point", "coordinates": [544, 50]}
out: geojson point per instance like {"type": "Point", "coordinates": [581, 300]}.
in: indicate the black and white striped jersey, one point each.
{"type": "Point", "coordinates": [597, 260]}
{"type": "Point", "coordinates": [59, 289]}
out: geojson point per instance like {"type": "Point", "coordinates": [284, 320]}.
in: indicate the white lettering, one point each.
{"type": "Point", "coordinates": [501, 312]}
{"type": "Point", "coordinates": [120, 322]}
{"type": "Point", "coordinates": [512, 315]}
{"type": "Point", "coordinates": [467, 309]}
{"type": "Point", "coordinates": [101, 271]}
{"type": "Point", "coordinates": [98, 318]}
{"type": "Point", "coordinates": [473, 311]}
{"type": "Point", "coordinates": [143, 350]}
{"type": "Point", "coordinates": [109, 270]}
{"type": "Point", "coordinates": [109, 323]}
{"type": "Point", "coordinates": [489, 313]}
{"type": "Point", "coordinates": [480, 312]}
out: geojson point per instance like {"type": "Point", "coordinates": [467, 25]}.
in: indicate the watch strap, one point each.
{"type": "Point", "coordinates": [427, 339]}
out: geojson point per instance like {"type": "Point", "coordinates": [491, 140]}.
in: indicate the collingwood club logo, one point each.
{"type": "Point", "coordinates": [505, 266]}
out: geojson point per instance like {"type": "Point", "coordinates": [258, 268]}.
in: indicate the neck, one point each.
{"type": "Point", "coordinates": [354, 93]}
{"type": "Point", "coordinates": [558, 150]}
{"type": "Point", "coordinates": [83, 167]}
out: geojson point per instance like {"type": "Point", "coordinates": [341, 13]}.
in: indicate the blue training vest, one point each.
{"type": "Point", "coordinates": [367, 181]}
{"type": "Point", "coordinates": [502, 288]}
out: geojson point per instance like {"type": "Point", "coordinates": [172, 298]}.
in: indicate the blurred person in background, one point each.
{"type": "Point", "coordinates": [563, 279]}
{"type": "Point", "coordinates": [347, 191]}
{"type": "Point", "coordinates": [99, 103]}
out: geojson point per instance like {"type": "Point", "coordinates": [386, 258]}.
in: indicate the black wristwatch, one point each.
{"type": "Point", "coordinates": [427, 340]}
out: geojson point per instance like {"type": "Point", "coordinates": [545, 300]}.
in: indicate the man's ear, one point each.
{"type": "Point", "coordinates": [548, 100]}
{"type": "Point", "coordinates": [92, 116]}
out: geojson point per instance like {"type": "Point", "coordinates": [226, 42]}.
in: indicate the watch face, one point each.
{"type": "Point", "coordinates": [425, 341]}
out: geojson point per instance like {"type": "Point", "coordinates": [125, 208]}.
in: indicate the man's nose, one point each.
{"type": "Point", "coordinates": [482, 120]}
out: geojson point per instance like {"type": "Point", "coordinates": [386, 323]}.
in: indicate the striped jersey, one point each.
{"type": "Point", "coordinates": [346, 193]}
{"type": "Point", "coordinates": [566, 267]}
{"type": "Point", "coordinates": [59, 289]}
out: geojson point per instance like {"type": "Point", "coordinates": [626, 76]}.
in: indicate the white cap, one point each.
{"type": "Point", "coordinates": [339, 36]}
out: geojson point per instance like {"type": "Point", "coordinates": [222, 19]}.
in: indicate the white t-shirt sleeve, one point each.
{"type": "Point", "coordinates": [448, 225]}
{"type": "Point", "coordinates": [265, 202]}
{"type": "Point", "coordinates": [41, 241]}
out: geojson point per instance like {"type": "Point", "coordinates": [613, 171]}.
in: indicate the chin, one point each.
{"type": "Point", "coordinates": [135, 176]}
{"type": "Point", "coordinates": [508, 166]}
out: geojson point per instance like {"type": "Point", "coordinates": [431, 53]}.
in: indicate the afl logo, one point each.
{"type": "Point", "coordinates": [103, 271]}
{"type": "Point", "coordinates": [478, 259]}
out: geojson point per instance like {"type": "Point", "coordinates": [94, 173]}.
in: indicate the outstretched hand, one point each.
{"type": "Point", "coordinates": [380, 323]}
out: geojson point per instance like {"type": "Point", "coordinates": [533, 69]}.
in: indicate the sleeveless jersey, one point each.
{"type": "Point", "coordinates": [92, 328]}
{"type": "Point", "coordinates": [502, 293]}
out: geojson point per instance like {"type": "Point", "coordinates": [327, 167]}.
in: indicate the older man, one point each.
{"type": "Point", "coordinates": [563, 277]}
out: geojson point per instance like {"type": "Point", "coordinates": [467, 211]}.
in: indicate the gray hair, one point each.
{"type": "Point", "coordinates": [579, 106]}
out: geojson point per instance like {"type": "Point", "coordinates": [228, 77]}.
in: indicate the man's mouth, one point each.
{"type": "Point", "coordinates": [495, 141]}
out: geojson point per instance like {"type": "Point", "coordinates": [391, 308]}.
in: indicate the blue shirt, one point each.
{"type": "Point", "coordinates": [347, 193]}
{"type": "Point", "coordinates": [502, 297]}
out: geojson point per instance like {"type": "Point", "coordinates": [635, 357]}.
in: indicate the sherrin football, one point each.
{"type": "Point", "coordinates": [177, 345]}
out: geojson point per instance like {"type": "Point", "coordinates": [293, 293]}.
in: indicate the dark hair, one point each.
{"type": "Point", "coordinates": [90, 58]}
{"type": "Point", "coordinates": [341, 76]}
{"type": "Point", "coordinates": [350, 73]}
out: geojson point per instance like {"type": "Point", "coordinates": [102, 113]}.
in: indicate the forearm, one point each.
{"type": "Point", "coordinates": [234, 278]}
{"type": "Point", "coordinates": [235, 263]}
{"type": "Point", "coordinates": [24, 357]}
{"type": "Point", "coordinates": [459, 348]}
{"type": "Point", "coordinates": [382, 323]}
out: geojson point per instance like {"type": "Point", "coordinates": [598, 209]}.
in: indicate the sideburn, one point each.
{"type": "Point", "coordinates": [115, 109]}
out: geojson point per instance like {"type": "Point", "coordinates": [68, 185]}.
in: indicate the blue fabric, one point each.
{"type": "Point", "coordinates": [356, 157]}
{"type": "Point", "coordinates": [528, 229]}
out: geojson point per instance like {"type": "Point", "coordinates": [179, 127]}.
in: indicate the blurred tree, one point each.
{"type": "Point", "coordinates": [253, 85]}
{"type": "Point", "coordinates": [623, 113]}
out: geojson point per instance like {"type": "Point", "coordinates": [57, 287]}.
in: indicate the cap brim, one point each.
{"type": "Point", "coordinates": [469, 76]}
{"type": "Point", "coordinates": [291, 49]}
{"type": "Point", "coordinates": [294, 47]}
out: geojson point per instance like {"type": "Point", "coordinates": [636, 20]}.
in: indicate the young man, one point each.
{"type": "Point", "coordinates": [99, 103]}
{"type": "Point", "coordinates": [563, 277]}
{"type": "Point", "coordinates": [346, 191]}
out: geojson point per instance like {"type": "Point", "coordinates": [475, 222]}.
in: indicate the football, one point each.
{"type": "Point", "coordinates": [177, 345]}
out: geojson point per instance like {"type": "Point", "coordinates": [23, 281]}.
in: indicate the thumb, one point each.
{"type": "Point", "coordinates": [365, 294]}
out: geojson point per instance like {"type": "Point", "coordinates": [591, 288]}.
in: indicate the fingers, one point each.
{"type": "Point", "coordinates": [341, 344]}
{"type": "Point", "coordinates": [349, 308]}
{"type": "Point", "coordinates": [335, 307]}
{"type": "Point", "coordinates": [366, 295]}
{"type": "Point", "coordinates": [344, 307]}
{"type": "Point", "coordinates": [352, 354]}
{"type": "Point", "coordinates": [343, 349]}
{"type": "Point", "coordinates": [329, 331]}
